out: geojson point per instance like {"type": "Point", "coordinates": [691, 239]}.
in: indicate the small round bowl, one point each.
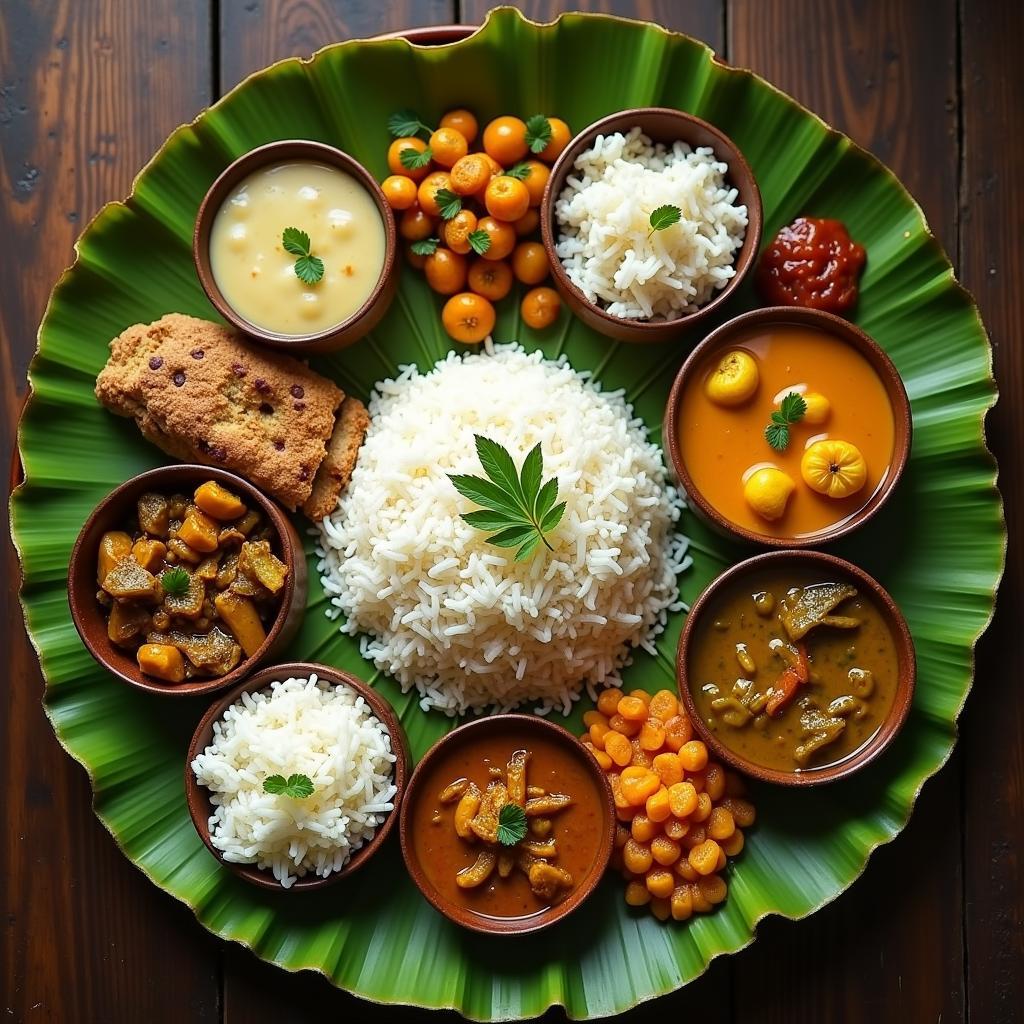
{"type": "Point", "coordinates": [722, 338]}
{"type": "Point", "coordinates": [339, 335]}
{"type": "Point", "coordinates": [662, 124]}
{"type": "Point", "coordinates": [902, 641]}
{"type": "Point", "coordinates": [200, 806]}
{"type": "Point", "coordinates": [111, 514]}
{"type": "Point", "coordinates": [523, 727]}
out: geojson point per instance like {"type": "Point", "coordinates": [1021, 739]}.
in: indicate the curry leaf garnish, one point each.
{"type": "Point", "coordinates": [479, 241]}
{"type": "Point", "coordinates": [298, 787]}
{"type": "Point", "coordinates": [308, 268]}
{"type": "Point", "coordinates": [448, 203]}
{"type": "Point", "coordinates": [511, 824]}
{"type": "Point", "coordinates": [515, 505]}
{"type": "Point", "coordinates": [413, 159]}
{"type": "Point", "coordinates": [519, 171]}
{"type": "Point", "coordinates": [406, 124]}
{"type": "Point", "coordinates": [176, 582]}
{"type": "Point", "coordinates": [790, 411]}
{"type": "Point", "coordinates": [425, 246]}
{"type": "Point", "coordinates": [664, 217]}
{"type": "Point", "coordinates": [538, 133]}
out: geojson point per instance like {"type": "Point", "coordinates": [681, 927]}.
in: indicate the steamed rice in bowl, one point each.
{"type": "Point", "coordinates": [606, 243]}
{"type": "Point", "coordinates": [306, 726]}
{"type": "Point", "coordinates": [458, 619]}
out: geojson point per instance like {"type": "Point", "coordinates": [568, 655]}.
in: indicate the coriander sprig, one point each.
{"type": "Point", "coordinates": [479, 241]}
{"type": "Point", "coordinates": [513, 503]}
{"type": "Point", "coordinates": [664, 217]}
{"type": "Point", "coordinates": [407, 124]}
{"type": "Point", "coordinates": [448, 203]}
{"type": "Point", "coordinates": [309, 269]}
{"type": "Point", "coordinates": [298, 787]}
{"type": "Point", "coordinates": [176, 581]}
{"type": "Point", "coordinates": [511, 824]}
{"type": "Point", "coordinates": [414, 159]}
{"type": "Point", "coordinates": [520, 171]}
{"type": "Point", "coordinates": [791, 410]}
{"type": "Point", "coordinates": [538, 133]}
{"type": "Point", "coordinates": [425, 246]}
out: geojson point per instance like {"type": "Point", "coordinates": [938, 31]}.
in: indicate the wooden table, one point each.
{"type": "Point", "coordinates": [934, 931]}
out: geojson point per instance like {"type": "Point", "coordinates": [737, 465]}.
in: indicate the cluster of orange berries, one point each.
{"type": "Point", "coordinates": [468, 217]}
{"type": "Point", "coordinates": [680, 814]}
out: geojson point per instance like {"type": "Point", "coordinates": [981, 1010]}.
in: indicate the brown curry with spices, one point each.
{"type": "Point", "coordinates": [455, 824]}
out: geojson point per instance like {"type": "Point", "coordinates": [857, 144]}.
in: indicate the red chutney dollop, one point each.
{"type": "Point", "coordinates": [814, 263]}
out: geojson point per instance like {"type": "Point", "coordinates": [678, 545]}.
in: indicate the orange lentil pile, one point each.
{"type": "Point", "coordinates": [681, 815]}
{"type": "Point", "coordinates": [469, 217]}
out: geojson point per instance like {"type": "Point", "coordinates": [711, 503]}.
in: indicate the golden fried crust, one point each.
{"type": "Point", "coordinates": [201, 393]}
{"type": "Point", "coordinates": [336, 470]}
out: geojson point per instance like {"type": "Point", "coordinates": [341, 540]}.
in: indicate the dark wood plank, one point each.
{"type": "Point", "coordinates": [891, 949]}
{"type": "Point", "coordinates": [993, 726]}
{"type": "Point", "coordinates": [703, 19]}
{"type": "Point", "coordinates": [89, 92]}
{"type": "Point", "coordinates": [258, 32]}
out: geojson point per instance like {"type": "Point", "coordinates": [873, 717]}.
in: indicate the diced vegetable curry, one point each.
{"type": "Point", "coordinates": [192, 584]}
{"type": "Point", "coordinates": [792, 671]}
{"type": "Point", "coordinates": [508, 831]}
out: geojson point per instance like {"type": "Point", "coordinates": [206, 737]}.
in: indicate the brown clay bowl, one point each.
{"type": "Point", "coordinates": [662, 124]}
{"type": "Point", "coordinates": [523, 727]}
{"type": "Point", "coordinates": [200, 807]}
{"type": "Point", "coordinates": [363, 319]}
{"type": "Point", "coordinates": [907, 669]}
{"type": "Point", "coordinates": [112, 512]}
{"type": "Point", "coordinates": [723, 338]}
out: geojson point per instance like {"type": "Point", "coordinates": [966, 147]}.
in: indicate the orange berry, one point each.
{"type": "Point", "coordinates": [536, 180]}
{"type": "Point", "coordinates": [694, 756]}
{"type": "Point", "coordinates": [506, 198]}
{"type": "Point", "coordinates": [664, 851]}
{"type": "Point", "coordinates": [395, 165]}
{"type": "Point", "coordinates": [618, 749]}
{"type": "Point", "coordinates": [502, 236]}
{"type": "Point", "coordinates": [458, 229]}
{"type": "Point", "coordinates": [470, 174]}
{"type": "Point", "coordinates": [415, 225]}
{"type": "Point", "coordinates": [491, 279]}
{"type": "Point", "coordinates": [682, 799]}
{"type": "Point", "coordinates": [678, 731]}
{"type": "Point", "coordinates": [608, 701]}
{"type": "Point", "coordinates": [638, 784]}
{"type": "Point", "coordinates": [462, 121]}
{"type": "Point", "coordinates": [505, 140]}
{"type": "Point", "coordinates": [624, 725]}
{"type": "Point", "coordinates": [448, 146]}
{"type": "Point", "coordinates": [399, 190]}
{"type": "Point", "coordinates": [560, 137]}
{"type": "Point", "coordinates": [652, 734]}
{"type": "Point", "coordinates": [657, 805]}
{"type": "Point", "coordinates": [429, 187]}
{"type": "Point", "coordinates": [528, 223]}
{"type": "Point", "coordinates": [669, 770]}
{"type": "Point", "coordinates": [633, 709]}
{"type": "Point", "coordinates": [664, 705]}
{"type": "Point", "coordinates": [530, 262]}
{"type": "Point", "coordinates": [468, 317]}
{"type": "Point", "coordinates": [445, 271]}
{"type": "Point", "coordinates": [643, 829]}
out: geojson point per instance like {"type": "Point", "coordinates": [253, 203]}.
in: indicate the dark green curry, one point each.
{"type": "Point", "coordinates": [792, 671]}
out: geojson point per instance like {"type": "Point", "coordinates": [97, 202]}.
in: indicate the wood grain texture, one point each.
{"type": "Point", "coordinates": [992, 266]}
{"type": "Point", "coordinates": [704, 19]}
{"type": "Point", "coordinates": [891, 948]}
{"type": "Point", "coordinates": [88, 92]}
{"type": "Point", "coordinates": [255, 33]}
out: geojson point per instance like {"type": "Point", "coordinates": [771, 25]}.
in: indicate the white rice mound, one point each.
{"type": "Point", "coordinates": [444, 611]}
{"type": "Point", "coordinates": [308, 727]}
{"type": "Point", "coordinates": [606, 243]}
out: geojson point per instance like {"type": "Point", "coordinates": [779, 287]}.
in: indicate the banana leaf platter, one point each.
{"type": "Point", "coordinates": [938, 546]}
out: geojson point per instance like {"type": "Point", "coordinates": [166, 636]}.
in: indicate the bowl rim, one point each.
{"type": "Point", "coordinates": [522, 724]}
{"type": "Point", "coordinates": [844, 331]}
{"type": "Point", "coordinates": [740, 174]}
{"type": "Point", "coordinates": [890, 725]}
{"type": "Point", "coordinates": [283, 151]}
{"type": "Point", "coordinates": [81, 557]}
{"type": "Point", "coordinates": [198, 797]}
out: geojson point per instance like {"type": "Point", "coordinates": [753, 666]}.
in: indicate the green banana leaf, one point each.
{"type": "Point", "coordinates": [939, 546]}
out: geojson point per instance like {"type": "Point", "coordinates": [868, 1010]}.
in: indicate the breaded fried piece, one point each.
{"type": "Point", "coordinates": [342, 451]}
{"type": "Point", "coordinates": [202, 393]}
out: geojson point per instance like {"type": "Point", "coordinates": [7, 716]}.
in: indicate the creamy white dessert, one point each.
{"type": "Point", "coordinates": [257, 275]}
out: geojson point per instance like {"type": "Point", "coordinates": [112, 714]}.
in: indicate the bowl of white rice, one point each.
{"type": "Point", "coordinates": [619, 273]}
{"type": "Point", "coordinates": [294, 778]}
